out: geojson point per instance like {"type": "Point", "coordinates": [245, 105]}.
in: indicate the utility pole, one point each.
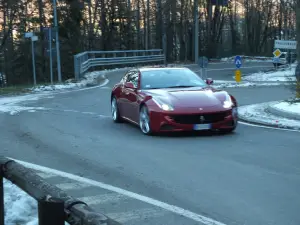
{"type": "Point", "coordinates": [57, 41]}
{"type": "Point", "coordinates": [285, 18]}
{"type": "Point", "coordinates": [138, 29]}
{"type": "Point", "coordinates": [196, 34]}
{"type": "Point", "coordinates": [148, 25]}
{"type": "Point", "coordinates": [209, 23]}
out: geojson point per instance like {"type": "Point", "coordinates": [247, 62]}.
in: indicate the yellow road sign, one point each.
{"type": "Point", "coordinates": [277, 53]}
{"type": "Point", "coordinates": [238, 76]}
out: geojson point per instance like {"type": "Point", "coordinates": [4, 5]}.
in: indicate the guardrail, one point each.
{"type": "Point", "coordinates": [86, 60]}
{"type": "Point", "coordinates": [55, 207]}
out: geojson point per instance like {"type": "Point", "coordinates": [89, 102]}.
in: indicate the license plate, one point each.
{"type": "Point", "coordinates": [202, 127]}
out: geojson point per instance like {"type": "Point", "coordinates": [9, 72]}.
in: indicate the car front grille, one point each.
{"type": "Point", "coordinates": [200, 118]}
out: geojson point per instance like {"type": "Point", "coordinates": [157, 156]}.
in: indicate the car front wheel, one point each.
{"type": "Point", "coordinates": [115, 111]}
{"type": "Point", "coordinates": [144, 121]}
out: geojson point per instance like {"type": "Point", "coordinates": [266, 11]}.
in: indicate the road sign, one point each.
{"type": "Point", "coordinates": [277, 53]}
{"type": "Point", "coordinates": [238, 76]}
{"type": "Point", "coordinates": [28, 35]}
{"type": "Point", "coordinates": [34, 38]}
{"type": "Point", "coordinates": [275, 60]}
{"type": "Point", "coordinates": [238, 61]}
{"type": "Point", "coordinates": [285, 44]}
{"type": "Point", "coordinates": [203, 62]}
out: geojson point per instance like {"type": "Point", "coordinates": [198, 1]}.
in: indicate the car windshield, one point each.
{"type": "Point", "coordinates": [170, 78]}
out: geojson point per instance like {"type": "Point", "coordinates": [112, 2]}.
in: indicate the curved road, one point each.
{"type": "Point", "coordinates": [250, 177]}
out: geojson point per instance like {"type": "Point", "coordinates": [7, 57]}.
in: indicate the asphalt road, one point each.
{"type": "Point", "coordinates": [250, 177]}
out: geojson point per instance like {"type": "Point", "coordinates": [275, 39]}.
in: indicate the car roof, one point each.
{"type": "Point", "coordinates": [143, 69]}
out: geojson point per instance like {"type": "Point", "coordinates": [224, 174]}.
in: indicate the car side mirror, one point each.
{"type": "Point", "coordinates": [129, 85]}
{"type": "Point", "coordinates": [209, 81]}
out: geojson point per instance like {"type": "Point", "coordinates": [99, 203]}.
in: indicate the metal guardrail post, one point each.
{"type": "Point", "coordinates": [51, 211]}
{"type": "Point", "coordinates": [76, 67]}
{"type": "Point", "coordinates": [1, 200]}
{"type": "Point", "coordinates": [78, 212]}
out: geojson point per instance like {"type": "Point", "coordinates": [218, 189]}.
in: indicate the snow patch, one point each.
{"type": "Point", "coordinates": [232, 84]}
{"type": "Point", "coordinates": [288, 107]}
{"type": "Point", "coordinates": [248, 59]}
{"type": "Point", "coordinates": [20, 208]}
{"type": "Point", "coordinates": [13, 105]}
{"type": "Point", "coordinates": [280, 76]}
{"type": "Point", "coordinates": [89, 79]}
{"type": "Point", "coordinates": [257, 113]}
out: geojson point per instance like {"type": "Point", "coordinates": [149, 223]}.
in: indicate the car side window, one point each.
{"type": "Point", "coordinates": [124, 79]}
{"type": "Point", "coordinates": [133, 77]}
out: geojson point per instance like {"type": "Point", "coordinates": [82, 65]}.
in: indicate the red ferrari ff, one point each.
{"type": "Point", "coordinates": [172, 99]}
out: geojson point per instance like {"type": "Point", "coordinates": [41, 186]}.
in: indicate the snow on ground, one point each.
{"type": "Point", "coordinates": [289, 107]}
{"type": "Point", "coordinates": [88, 79]}
{"type": "Point", "coordinates": [13, 104]}
{"type": "Point", "coordinates": [257, 113]}
{"type": "Point", "coordinates": [248, 59]}
{"type": "Point", "coordinates": [280, 76]}
{"type": "Point", "coordinates": [233, 84]}
{"type": "Point", "coordinates": [20, 208]}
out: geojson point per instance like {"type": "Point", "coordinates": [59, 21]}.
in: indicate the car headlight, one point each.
{"type": "Point", "coordinates": [228, 102]}
{"type": "Point", "coordinates": [164, 106]}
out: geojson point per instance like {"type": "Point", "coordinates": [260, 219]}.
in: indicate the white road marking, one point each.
{"type": "Point", "coordinates": [262, 126]}
{"type": "Point", "coordinates": [104, 198]}
{"type": "Point", "coordinates": [123, 217]}
{"type": "Point", "coordinates": [172, 208]}
{"type": "Point", "coordinates": [73, 186]}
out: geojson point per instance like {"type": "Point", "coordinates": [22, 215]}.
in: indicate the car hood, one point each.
{"type": "Point", "coordinates": [188, 97]}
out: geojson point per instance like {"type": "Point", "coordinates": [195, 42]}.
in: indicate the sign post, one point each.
{"type": "Point", "coordinates": [203, 63]}
{"type": "Point", "coordinates": [33, 39]}
{"type": "Point", "coordinates": [277, 53]}
{"type": "Point", "coordinates": [50, 52]}
{"type": "Point", "coordinates": [238, 64]}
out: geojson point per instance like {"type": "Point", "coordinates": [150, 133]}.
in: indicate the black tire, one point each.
{"type": "Point", "coordinates": [144, 125]}
{"type": "Point", "coordinates": [115, 110]}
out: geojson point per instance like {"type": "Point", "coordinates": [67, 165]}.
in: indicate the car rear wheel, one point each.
{"type": "Point", "coordinates": [144, 121]}
{"type": "Point", "coordinates": [115, 111]}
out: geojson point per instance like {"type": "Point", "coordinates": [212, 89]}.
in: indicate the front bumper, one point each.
{"type": "Point", "coordinates": [172, 121]}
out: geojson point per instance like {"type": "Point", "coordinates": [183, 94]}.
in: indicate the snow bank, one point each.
{"type": "Point", "coordinates": [248, 59]}
{"type": "Point", "coordinates": [20, 208]}
{"type": "Point", "coordinates": [289, 107]}
{"type": "Point", "coordinates": [232, 84]}
{"type": "Point", "coordinates": [257, 113]}
{"type": "Point", "coordinates": [280, 76]}
{"type": "Point", "coordinates": [88, 79]}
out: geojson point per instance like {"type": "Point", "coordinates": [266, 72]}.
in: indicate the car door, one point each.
{"type": "Point", "coordinates": [131, 105]}
{"type": "Point", "coordinates": [122, 97]}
